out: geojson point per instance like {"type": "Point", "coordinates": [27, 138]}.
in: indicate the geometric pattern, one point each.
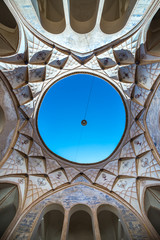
{"type": "Point", "coordinates": [147, 74]}
{"type": "Point", "coordinates": [51, 165]}
{"type": "Point", "coordinates": [91, 174]}
{"type": "Point", "coordinates": [140, 95]}
{"type": "Point", "coordinates": [127, 151]}
{"type": "Point", "coordinates": [35, 150]}
{"type": "Point", "coordinates": [36, 73]}
{"type": "Point", "coordinates": [148, 166]}
{"type": "Point", "coordinates": [37, 186]}
{"type": "Point", "coordinates": [57, 178]}
{"type": "Point", "coordinates": [35, 169]}
{"type": "Point", "coordinates": [36, 165]}
{"type": "Point", "coordinates": [27, 129]}
{"type": "Point", "coordinates": [140, 144]}
{"type": "Point", "coordinates": [126, 188]}
{"type": "Point", "coordinates": [112, 167]}
{"type": "Point", "coordinates": [71, 173]}
{"type": "Point", "coordinates": [125, 52]}
{"type": "Point", "coordinates": [58, 59]}
{"type": "Point", "coordinates": [38, 52]}
{"type": "Point", "coordinates": [15, 164]}
{"type": "Point", "coordinates": [106, 180]}
{"type": "Point", "coordinates": [106, 59]}
{"type": "Point", "coordinates": [128, 167]}
{"type": "Point", "coordinates": [127, 73]}
{"type": "Point", "coordinates": [135, 109]}
{"type": "Point", "coordinates": [135, 130]}
{"type": "Point", "coordinates": [23, 144]}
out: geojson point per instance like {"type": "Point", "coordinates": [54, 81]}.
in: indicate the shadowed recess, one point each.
{"type": "Point", "coordinates": [80, 226]}
{"type": "Point", "coordinates": [8, 205]}
{"type": "Point", "coordinates": [110, 226]}
{"type": "Point", "coordinates": [153, 35]}
{"type": "Point", "coordinates": [152, 206]}
{"type": "Point", "coordinates": [115, 15]}
{"type": "Point", "coordinates": [83, 15]}
{"type": "Point", "coordinates": [2, 119]}
{"type": "Point", "coordinates": [51, 15]}
{"type": "Point", "coordinates": [9, 33]}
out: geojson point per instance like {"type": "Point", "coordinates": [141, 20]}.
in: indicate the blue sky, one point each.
{"type": "Point", "coordinates": [73, 99]}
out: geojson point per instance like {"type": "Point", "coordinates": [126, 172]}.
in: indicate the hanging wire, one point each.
{"type": "Point", "coordinates": [85, 114]}
{"type": "Point", "coordinates": [88, 99]}
{"type": "Point", "coordinates": [78, 145]}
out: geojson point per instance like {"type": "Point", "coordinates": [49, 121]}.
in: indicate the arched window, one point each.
{"type": "Point", "coordinates": [152, 206]}
{"type": "Point", "coordinates": [80, 224]}
{"type": "Point", "coordinates": [115, 15]}
{"type": "Point", "coordinates": [50, 224]}
{"type": "Point", "coordinates": [110, 225]}
{"type": "Point", "coordinates": [9, 33]}
{"type": "Point", "coordinates": [153, 35]}
{"type": "Point", "coordinates": [83, 15]}
{"type": "Point", "coordinates": [8, 205]}
{"type": "Point", "coordinates": [51, 15]}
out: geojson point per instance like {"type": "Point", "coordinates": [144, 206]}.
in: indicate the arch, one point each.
{"type": "Point", "coordinates": [110, 225]}
{"type": "Point", "coordinates": [51, 15]}
{"type": "Point", "coordinates": [2, 119]}
{"type": "Point", "coordinates": [152, 206]}
{"type": "Point", "coordinates": [50, 223]}
{"type": "Point", "coordinates": [83, 15]}
{"type": "Point", "coordinates": [9, 202]}
{"type": "Point", "coordinates": [153, 35]}
{"type": "Point", "coordinates": [9, 33]}
{"type": "Point", "coordinates": [115, 15]}
{"type": "Point", "coordinates": [80, 223]}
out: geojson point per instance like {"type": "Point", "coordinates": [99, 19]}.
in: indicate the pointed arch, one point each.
{"type": "Point", "coordinates": [83, 14]}
{"type": "Point", "coordinates": [9, 32]}
{"type": "Point", "coordinates": [80, 223]}
{"type": "Point", "coordinates": [51, 15]}
{"type": "Point", "coordinates": [115, 15]}
{"type": "Point", "coordinates": [50, 223]}
{"type": "Point", "coordinates": [9, 201]}
{"type": "Point", "coordinates": [153, 35]}
{"type": "Point", "coordinates": [152, 206]}
{"type": "Point", "coordinates": [110, 224]}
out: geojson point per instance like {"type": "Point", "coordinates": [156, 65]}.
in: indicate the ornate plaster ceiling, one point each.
{"type": "Point", "coordinates": [126, 64]}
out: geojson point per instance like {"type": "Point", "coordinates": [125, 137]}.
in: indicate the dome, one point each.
{"type": "Point", "coordinates": [79, 119]}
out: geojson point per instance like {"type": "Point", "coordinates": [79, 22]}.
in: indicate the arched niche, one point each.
{"type": "Point", "coordinates": [115, 15]}
{"type": "Point", "coordinates": [110, 224]}
{"type": "Point", "coordinates": [80, 223]}
{"type": "Point", "coordinates": [51, 15]}
{"type": "Point", "coordinates": [9, 32]}
{"type": "Point", "coordinates": [2, 119]}
{"type": "Point", "coordinates": [9, 202]}
{"type": "Point", "coordinates": [83, 14]}
{"type": "Point", "coordinates": [50, 223]}
{"type": "Point", "coordinates": [8, 118]}
{"type": "Point", "coordinates": [152, 206]}
{"type": "Point", "coordinates": [153, 35]}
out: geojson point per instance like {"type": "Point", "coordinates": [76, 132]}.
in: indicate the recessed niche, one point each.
{"type": "Point", "coordinates": [83, 15]}
{"type": "Point", "coordinates": [153, 35]}
{"type": "Point", "coordinates": [2, 119]}
{"type": "Point", "coordinates": [9, 32]}
{"type": "Point", "coordinates": [82, 118]}
{"type": "Point", "coordinates": [115, 15]}
{"type": "Point", "coordinates": [9, 201]}
{"type": "Point", "coordinates": [80, 226]}
{"type": "Point", "coordinates": [152, 206]}
{"type": "Point", "coordinates": [51, 15]}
